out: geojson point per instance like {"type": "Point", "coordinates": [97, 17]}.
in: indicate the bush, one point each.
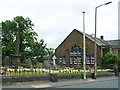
{"type": "Point", "coordinates": [110, 58]}
{"type": "Point", "coordinates": [77, 66]}
{"type": "Point", "coordinates": [119, 65]}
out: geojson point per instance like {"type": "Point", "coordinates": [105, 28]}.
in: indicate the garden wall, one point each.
{"type": "Point", "coordinates": [28, 78]}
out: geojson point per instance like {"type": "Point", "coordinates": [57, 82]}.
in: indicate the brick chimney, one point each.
{"type": "Point", "coordinates": [102, 37]}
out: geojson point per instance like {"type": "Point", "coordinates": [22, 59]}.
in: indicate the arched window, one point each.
{"type": "Point", "coordinates": [75, 55]}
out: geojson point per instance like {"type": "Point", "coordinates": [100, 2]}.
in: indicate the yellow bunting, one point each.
{"type": "Point", "coordinates": [8, 69]}
{"type": "Point", "coordinates": [37, 70]}
{"type": "Point", "coordinates": [57, 71]}
{"type": "Point", "coordinates": [23, 69]}
{"type": "Point", "coordinates": [13, 70]}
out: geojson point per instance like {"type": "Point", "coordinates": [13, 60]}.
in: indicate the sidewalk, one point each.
{"type": "Point", "coordinates": [61, 83]}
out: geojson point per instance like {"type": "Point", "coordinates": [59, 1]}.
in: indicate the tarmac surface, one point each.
{"type": "Point", "coordinates": [60, 83]}
{"type": "Point", "coordinates": [103, 84]}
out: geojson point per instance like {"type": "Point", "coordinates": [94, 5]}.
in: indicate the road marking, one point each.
{"type": "Point", "coordinates": [41, 86]}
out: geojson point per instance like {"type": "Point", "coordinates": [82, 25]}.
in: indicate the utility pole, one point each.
{"type": "Point", "coordinates": [84, 48]}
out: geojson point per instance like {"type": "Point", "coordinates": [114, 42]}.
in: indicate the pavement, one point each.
{"type": "Point", "coordinates": [101, 85]}
{"type": "Point", "coordinates": [60, 83]}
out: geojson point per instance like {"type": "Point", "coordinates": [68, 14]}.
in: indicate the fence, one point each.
{"type": "Point", "coordinates": [40, 71]}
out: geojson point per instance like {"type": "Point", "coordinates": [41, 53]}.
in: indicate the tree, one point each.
{"type": "Point", "coordinates": [50, 52]}
{"type": "Point", "coordinates": [28, 45]}
{"type": "Point", "coordinates": [119, 65]}
{"type": "Point", "coordinates": [22, 26]}
{"type": "Point", "coordinates": [27, 35]}
{"type": "Point", "coordinates": [38, 51]}
{"type": "Point", "coordinates": [110, 58]}
{"type": "Point", "coordinates": [8, 38]}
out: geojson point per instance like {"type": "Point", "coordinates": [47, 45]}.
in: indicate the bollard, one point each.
{"type": "Point", "coordinates": [115, 67]}
{"type": "Point", "coordinates": [116, 72]}
{"type": "Point", "coordinates": [93, 76]}
{"type": "Point", "coordinates": [53, 77]}
{"type": "Point", "coordinates": [82, 76]}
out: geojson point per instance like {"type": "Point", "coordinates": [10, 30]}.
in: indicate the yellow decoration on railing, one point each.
{"type": "Point", "coordinates": [13, 70]}
{"type": "Point", "coordinates": [57, 71]}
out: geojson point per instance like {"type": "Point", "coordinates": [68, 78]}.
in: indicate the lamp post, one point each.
{"type": "Point", "coordinates": [95, 50]}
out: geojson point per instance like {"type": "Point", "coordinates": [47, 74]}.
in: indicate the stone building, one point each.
{"type": "Point", "coordinates": [70, 52]}
{"type": "Point", "coordinates": [0, 44]}
{"type": "Point", "coordinates": [115, 44]}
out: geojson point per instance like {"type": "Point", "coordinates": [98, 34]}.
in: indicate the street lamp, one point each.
{"type": "Point", "coordinates": [95, 61]}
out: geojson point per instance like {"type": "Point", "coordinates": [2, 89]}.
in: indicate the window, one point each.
{"type": "Point", "coordinates": [71, 53]}
{"type": "Point", "coordinates": [92, 60]}
{"type": "Point", "coordinates": [78, 53]}
{"type": "Point", "coordinates": [89, 60]}
{"type": "Point", "coordinates": [60, 59]}
{"type": "Point", "coordinates": [71, 60]}
{"type": "Point", "coordinates": [75, 55]}
{"type": "Point", "coordinates": [75, 61]}
{"type": "Point", "coordinates": [79, 60]}
{"type": "Point", "coordinates": [63, 60]}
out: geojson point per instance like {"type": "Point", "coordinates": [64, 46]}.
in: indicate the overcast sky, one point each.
{"type": "Point", "coordinates": [55, 19]}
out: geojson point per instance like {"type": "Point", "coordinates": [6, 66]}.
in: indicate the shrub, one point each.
{"type": "Point", "coordinates": [110, 58]}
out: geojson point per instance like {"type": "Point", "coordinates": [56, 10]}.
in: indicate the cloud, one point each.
{"type": "Point", "coordinates": [55, 19]}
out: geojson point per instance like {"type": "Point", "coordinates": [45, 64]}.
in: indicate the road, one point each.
{"type": "Point", "coordinates": [103, 84]}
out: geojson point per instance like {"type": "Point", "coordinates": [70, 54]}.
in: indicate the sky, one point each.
{"type": "Point", "coordinates": [119, 20]}
{"type": "Point", "coordinates": [54, 20]}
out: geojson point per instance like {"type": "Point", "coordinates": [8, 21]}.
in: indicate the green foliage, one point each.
{"type": "Point", "coordinates": [77, 66]}
{"type": "Point", "coordinates": [29, 46]}
{"type": "Point", "coordinates": [38, 50]}
{"type": "Point", "coordinates": [50, 52]}
{"type": "Point", "coordinates": [8, 37]}
{"type": "Point", "coordinates": [119, 65]}
{"type": "Point", "coordinates": [110, 58]}
{"type": "Point", "coordinates": [34, 61]}
{"type": "Point", "coordinates": [20, 25]}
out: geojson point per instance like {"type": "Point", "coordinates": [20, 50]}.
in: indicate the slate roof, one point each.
{"type": "Point", "coordinates": [99, 42]}
{"type": "Point", "coordinates": [114, 43]}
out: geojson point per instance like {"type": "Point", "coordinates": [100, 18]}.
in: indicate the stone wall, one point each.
{"type": "Point", "coordinates": [28, 78]}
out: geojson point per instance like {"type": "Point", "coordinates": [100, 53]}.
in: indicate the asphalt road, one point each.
{"type": "Point", "coordinates": [103, 84]}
